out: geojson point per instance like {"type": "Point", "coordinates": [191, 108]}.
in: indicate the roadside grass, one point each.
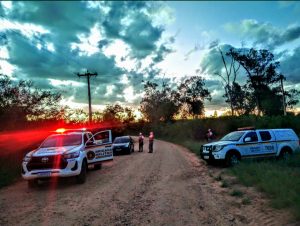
{"type": "Point", "coordinates": [280, 180]}
{"type": "Point", "coordinates": [9, 171]}
{"type": "Point", "coordinates": [224, 184]}
{"type": "Point", "coordinates": [246, 201]}
{"type": "Point", "coordinates": [236, 193]}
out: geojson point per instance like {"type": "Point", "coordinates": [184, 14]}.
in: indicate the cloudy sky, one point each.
{"type": "Point", "coordinates": [127, 43]}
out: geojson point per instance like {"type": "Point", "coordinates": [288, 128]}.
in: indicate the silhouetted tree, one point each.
{"type": "Point", "coordinates": [159, 104]}
{"type": "Point", "coordinates": [192, 92]}
{"type": "Point", "coordinates": [292, 98]}
{"type": "Point", "coordinates": [229, 78]}
{"type": "Point", "coordinates": [118, 113]}
{"type": "Point", "coordinates": [21, 101]}
{"type": "Point", "coordinates": [261, 69]}
{"type": "Point", "coordinates": [243, 102]}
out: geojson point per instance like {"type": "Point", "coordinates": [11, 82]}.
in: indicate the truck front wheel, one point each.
{"type": "Point", "coordinates": [81, 178]}
{"type": "Point", "coordinates": [232, 159]}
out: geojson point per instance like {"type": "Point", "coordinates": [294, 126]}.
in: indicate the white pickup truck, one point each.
{"type": "Point", "coordinates": [67, 153]}
{"type": "Point", "coordinates": [251, 143]}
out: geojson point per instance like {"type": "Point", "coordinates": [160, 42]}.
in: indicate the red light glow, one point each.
{"type": "Point", "coordinates": [60, 130]}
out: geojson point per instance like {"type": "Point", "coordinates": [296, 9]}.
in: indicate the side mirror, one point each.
{"type": "Point", "coordinates": [89, 143]}
{"type": "Point", "coordinates": [248, 139]}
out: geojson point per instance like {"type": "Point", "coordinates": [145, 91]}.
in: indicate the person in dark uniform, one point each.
{"type": "Point", "coordinates": [151, 141]}
{"type": "Point", "coordinates": [141, 142]}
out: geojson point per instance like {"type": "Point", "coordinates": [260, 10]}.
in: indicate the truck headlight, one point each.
{"type": "Point", "coordinates": [71, 155]}
{"type": "Point", "coordinates": [27, 158]}
{"type": "Point", "coordinates": [217, 148]}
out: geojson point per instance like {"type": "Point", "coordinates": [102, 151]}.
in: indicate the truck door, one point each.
{"type": "Point", "coordinates": [103, 146]}
{"type": "Point", "coordinates": [268, 144]}
{"type": "Point", "coordinates": [251, 147]}
{"type": "Point", "coordinates": [103, 137]}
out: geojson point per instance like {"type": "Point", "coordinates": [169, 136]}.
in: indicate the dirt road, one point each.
{"type": "Point", "coordinates": [169, 187]}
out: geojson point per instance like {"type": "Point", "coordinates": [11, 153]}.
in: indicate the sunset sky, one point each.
{"type": "Point", "coordinates": [130, 42]}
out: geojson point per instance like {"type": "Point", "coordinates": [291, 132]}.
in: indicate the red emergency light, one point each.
{"type": "Point", "coordinates": [60, 130]}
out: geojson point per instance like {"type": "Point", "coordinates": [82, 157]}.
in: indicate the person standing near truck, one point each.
{"type": "Point", "coordinates": [141, 142]}
{"type": "Point", "coordinates": [151, 141]}
{"type": "Point", "coordinates": [209, 135]}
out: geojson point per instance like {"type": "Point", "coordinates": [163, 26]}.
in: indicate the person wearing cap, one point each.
{"type": "Point", "coordinates": [141, 142]}
{"type": "Point", "coordinates": [151, 141]}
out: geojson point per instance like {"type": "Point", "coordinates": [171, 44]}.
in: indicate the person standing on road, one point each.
{"type": "Point", "coordinates": [141, 142]}
{"type": "Point", "coordinates": [151, 140]}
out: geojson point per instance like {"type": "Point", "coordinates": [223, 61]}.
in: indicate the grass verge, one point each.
{"type": "Point", "coordinates": [9, 171]}
{"type": "Point", "coordinates": [280, 180]}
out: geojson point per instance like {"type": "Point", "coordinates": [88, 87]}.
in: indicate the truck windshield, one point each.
{"type": "Point", "coordinates": [234, 136]}
{"type": "Point", "coordinates": [62, 140]}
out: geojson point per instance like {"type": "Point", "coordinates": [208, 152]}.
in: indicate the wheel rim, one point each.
{"type": "Point", "coordinates": [285, 155]}
{"type": "Point", "coordinates": [234, 160]}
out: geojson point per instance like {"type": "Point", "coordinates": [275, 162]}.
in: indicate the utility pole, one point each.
{"type": "Point", "coordinates": [283, 95]}
{"type": "Point", "coordinates": [88, 75]}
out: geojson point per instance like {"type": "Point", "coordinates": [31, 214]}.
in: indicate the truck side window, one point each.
{"type": "Point", "coordinates": [265, 135]}
{"type": "Point", "coordinates": [252, 135]}
{"type": "Point", "coordinates": [90, 136]}
{"type": "Point", "coordinates": [85, 138]}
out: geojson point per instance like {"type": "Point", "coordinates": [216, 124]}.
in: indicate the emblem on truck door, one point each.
{"type": "Point", "coordinates": [45, 159]}
{"type": "Point", "coordinates": [90, 155]}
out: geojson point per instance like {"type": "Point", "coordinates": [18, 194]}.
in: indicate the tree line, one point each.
{"type": "Point", "coordinates": [261, 94]}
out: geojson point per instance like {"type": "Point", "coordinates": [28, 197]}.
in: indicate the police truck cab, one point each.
{"type": "Point", "coordinates": [67, 153]}
{"type": "Point", "coordinates": [251, 143]}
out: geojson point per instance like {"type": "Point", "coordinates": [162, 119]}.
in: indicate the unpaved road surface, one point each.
{"type": "Point", "coordinates": [169, 187]}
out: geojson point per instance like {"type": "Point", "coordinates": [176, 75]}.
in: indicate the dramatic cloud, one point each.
{"type": "Point", "coordinates": [290, 66]}
{"type": "Point", "coordinates": [50, 41]}
{"type": "Point", "coordinates": [264, 34]}
{"type": "Point", "coordinates": [211, 61]}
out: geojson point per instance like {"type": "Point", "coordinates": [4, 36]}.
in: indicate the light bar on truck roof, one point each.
{"type": "Point", "coordinates": [246, 128]}
{"type": "Point", "coordinates": [62, 130]}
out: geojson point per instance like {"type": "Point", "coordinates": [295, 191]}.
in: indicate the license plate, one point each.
{"type": "Point", "coordinates": [206, 157]}
{"type": "Point", "coordinates": [118, 149]}
{"type": "Point", "coordinates": [46, 174]}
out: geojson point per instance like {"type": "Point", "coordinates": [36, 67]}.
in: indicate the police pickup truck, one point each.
{"type": "Point", "coordinates": [251, 143]}
{"type": "Point", "coordinates": [67, 153]}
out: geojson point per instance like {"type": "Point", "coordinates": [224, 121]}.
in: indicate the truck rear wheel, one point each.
{"type": "Point", "coordinates": [285, 154]}
{"type": "Point", "coordinates": [81, 178]}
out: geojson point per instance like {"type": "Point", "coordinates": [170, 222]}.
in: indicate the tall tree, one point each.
{"type": "Point", "coordinates": [228, 80]}
{"type": "Point", "coordinates": [261, 69]}
{"type": "Point", "coordinates": [192, 92]}
{"type": "Point", "coordinates": [159, 103]}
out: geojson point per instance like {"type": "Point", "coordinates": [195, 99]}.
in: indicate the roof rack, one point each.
{"type": "Point", "coordinates": [246, 128]}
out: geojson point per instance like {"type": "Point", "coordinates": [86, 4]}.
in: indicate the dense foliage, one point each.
{"type": "Point", "coordinates": [21, 101]}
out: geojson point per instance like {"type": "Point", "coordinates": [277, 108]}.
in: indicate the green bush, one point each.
{"type": "Point", "coordinates": [236, 193]}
